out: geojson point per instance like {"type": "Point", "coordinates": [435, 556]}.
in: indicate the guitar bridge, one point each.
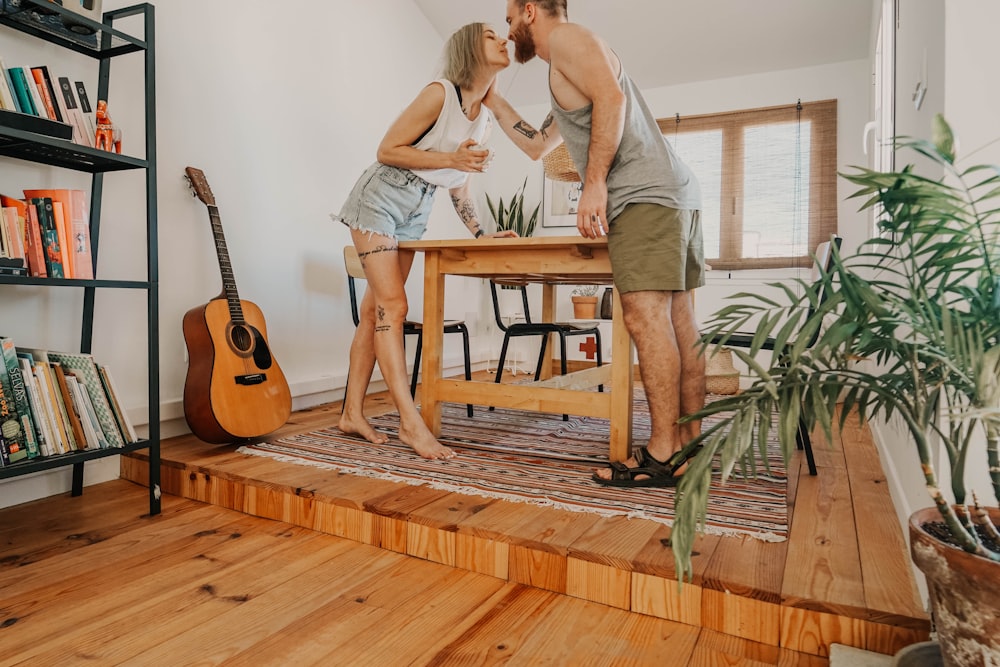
{"type": "Point", "coordinates": [252, 379]}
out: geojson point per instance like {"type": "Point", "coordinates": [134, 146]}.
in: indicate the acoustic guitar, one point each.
{"type": "Point", "coordinates": [234, 388]}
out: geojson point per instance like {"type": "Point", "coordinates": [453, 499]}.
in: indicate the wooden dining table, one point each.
{"type": "Point", "coordinates": [549, 261]}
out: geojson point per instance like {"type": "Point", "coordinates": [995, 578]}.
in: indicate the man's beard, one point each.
{"type": "Point", "coordinates": [524, 45]}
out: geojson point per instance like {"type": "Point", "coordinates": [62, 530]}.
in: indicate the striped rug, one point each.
{"type": "Point", "coordinates": [537, 458]}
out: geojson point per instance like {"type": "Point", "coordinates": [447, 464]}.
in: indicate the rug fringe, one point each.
{"type": "Point", "coordinates": [539, 501]}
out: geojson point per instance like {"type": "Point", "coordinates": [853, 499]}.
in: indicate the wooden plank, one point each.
{"type": "Point", "coordinates": [578, 380]}
{"type": "Point", "coordinates": [823, 546]}
{"type": "Point", "coordinates": [599, 565]}
{"type": "Point", "coordinates": [890, 589]}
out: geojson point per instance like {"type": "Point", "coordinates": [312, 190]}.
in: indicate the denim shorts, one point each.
{"type": "Point", "coordinates": [389, 201]}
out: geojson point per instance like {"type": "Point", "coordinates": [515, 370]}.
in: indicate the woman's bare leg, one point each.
{"type": "Point", "coordinates": [386, 268]}
{"type": "Point", "coordinates": [352, 419]}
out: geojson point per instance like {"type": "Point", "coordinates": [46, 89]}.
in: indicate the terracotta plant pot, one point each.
{"type": "Point", "coordinates": [963, 590]}
{"type": "Point", "coordinates": [585, 307]}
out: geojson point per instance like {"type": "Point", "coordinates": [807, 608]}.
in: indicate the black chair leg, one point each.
{"type": "Point", "coordinates": [541, 356]}
{"type": "Point", "coordinates": [562, 363]}
{"type": "Point", "coordinates": [500, 362]}
{"type": "Point", "coordinates": [600, 358]}
{"type": "Point", "coordinates": [804, 442]}
{"type": "Point", "coordinates": [468, 364]}
{"type": "Point", "coordinates": [416, 365]}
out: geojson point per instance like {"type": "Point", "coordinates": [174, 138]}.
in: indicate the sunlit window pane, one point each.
{"type": "Point", "coordinates": [776, 190]}
{"type": "Point", "coordinates": [702, 152]}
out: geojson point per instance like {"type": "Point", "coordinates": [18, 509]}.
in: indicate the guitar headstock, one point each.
{"type": "Point", "coordinates": [198, 183]}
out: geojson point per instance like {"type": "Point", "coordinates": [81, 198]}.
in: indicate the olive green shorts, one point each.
{"type": "Point", "coordinates": [656, 248]}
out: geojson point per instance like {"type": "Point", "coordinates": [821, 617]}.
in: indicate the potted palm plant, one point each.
{"type": "Point", "coordinates": [910, 329]}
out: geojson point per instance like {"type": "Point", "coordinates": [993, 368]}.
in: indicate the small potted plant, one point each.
{"type": "Point", "coordinates": [512, 216]}
{"type": "Point", "coordinates": [585, 302]}
{"type": "Point", "coordinates": [910, 329]}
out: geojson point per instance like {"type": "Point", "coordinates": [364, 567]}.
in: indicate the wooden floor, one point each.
{"type": "Point", "coordinates": [409, 575]}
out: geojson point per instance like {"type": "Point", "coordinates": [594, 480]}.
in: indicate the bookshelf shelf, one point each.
{"type": "Point", "coordinates": [45, 20]}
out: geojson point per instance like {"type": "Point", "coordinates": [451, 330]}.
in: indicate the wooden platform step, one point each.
{"type": "Point", "coordinates": [741, 587]}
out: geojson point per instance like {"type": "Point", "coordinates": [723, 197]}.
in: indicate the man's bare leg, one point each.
{"type": "Point", "coordinates": [692, 377]}
{"type": "Point", "coordinates": [386, 268]}
{"type": "Point", "coordinates": [649, 322]}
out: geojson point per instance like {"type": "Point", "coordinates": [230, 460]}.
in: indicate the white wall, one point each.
{"type": "Point", "coordinates": [282, 107]}
{"type": "Point", "coordinates": [283, 110]}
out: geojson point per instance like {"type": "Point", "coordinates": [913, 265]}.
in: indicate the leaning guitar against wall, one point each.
{"type": "Point", "coordinates": [234, 388]}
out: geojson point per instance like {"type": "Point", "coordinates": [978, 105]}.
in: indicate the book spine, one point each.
{"type": "Point", "coordinates": [10, 421]}
{"type": "Point", "coordinates": [20, 394]}
{"type": "Point", "coordinates": [80, 134]}
{"type": "Point", "coordinates": [37, 408]}
{"type": "Point", "coordinates": [45, 92]}
{"type": "Point", "coordinates": [36, 96]}
{"type": "Point", "coordinates": [7, 89]}
{"type": "Point", "coordinates": [21, 91]}
{"type": "Point", "coordinates": [50, 237]}
{"type": "Point", "coordinates": [66, 408]}
{"type": "Point", "coordinates": [83, 260]}
{"type": "Point", "coordinates": [10, 220]}
{"type": "Point", "coordinates": [61, 217]}
{"type": "Point", "coordinates": [33, 235]}
{"type": "Point", "coordinates": [86, 109]}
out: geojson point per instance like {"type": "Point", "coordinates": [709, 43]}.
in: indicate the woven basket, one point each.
{"type": "Point", "coordinates": [559, 166]}
{"type": "Point", "coordinates": [721, 377]}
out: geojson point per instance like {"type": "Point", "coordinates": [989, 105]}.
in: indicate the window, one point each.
{"type": "Point", "coordinates": [768, 181]}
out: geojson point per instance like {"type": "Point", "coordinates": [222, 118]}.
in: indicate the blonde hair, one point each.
{"type": "Point", "coordinates": [464, 54]}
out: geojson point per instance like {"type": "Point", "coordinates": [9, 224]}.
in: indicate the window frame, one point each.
{"type": "Point", "coordinates": [823, 213]}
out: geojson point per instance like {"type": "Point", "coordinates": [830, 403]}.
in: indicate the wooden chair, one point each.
{"type": "Point", "coordinates": [355, 272]}
{"type": "Point", "coordinates": [824, 257]}
{"type": "Point", "coordinates": [528, 328]}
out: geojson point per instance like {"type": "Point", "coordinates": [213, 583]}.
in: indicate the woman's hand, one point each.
{"type": "Point", "coordinates": [505, 234]}
{"type": "Point", "coordinates": [472, 157]}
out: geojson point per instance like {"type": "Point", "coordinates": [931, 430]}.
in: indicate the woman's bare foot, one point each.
{"type": "Point", "coordinates": [424, 443]}
{"type": "Point", "coordinates": [363, 428]}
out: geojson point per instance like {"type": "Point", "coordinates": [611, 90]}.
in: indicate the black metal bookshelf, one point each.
{"type": "Point", "coordinates": [55, 24]}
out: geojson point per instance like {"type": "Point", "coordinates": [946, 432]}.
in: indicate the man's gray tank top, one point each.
{"type": "Point", "coordinates": [645, 168]}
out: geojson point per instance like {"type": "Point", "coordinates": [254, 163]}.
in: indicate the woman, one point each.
{"type": "Point", "coordinates": [436, 142]}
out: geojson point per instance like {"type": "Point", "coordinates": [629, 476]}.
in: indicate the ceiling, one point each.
{"type": "Point", "coordinates": [668, 42]}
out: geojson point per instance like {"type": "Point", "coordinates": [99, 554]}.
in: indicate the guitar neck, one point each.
{"type": "Point", "coordinates": [225, 266]}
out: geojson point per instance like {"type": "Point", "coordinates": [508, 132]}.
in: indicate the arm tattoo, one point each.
{"type": "Point", "coordinates": [525, 129]}
{"type": "Point", "coordinates": [374, 251]}
{"type": "Point", "coordinates": [467, 212]}
{"type": "Point", "coordinates": [545, 124]}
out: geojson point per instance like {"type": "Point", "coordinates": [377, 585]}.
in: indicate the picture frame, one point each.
{"type": "Point", "coordinates": [559, 199]}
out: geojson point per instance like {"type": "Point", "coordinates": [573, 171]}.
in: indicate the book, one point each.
{"type": "Point", "coordinates": [125, 424]}
{"type": "Point", "coordinates": [6, 242]}
{"type": "Point", "coordinates": [83, 259]}
{"type": "Point", "coordinates": [88, 418]}
{"type": "Point", "coordinates": [12, 223]}
{"type": "Point", "coordinates": [36, 95]}
{"type": "Point", "coordinates": [20, 394]}
{"type": "Point", "coordinates": [46, 382]}
{"type": "Point", "coordinates": [83, 366]}
{"type": "Point", "coordinates": [86, 109]}
{"type": "Point", "coordinates": [15, 439]}
{"type": "Point", "coordinates": [6, 90]}
{"type": "Point", "coordinates": [64, 234]}
{"type": "Point", "coordinates": [68, 96]}
{"type": "Point", "coordinates": [46, 91]}
{"type": "Point", "coordinates": [49, 237]}
{"type": "Point", "coordinates": [75, 431]}
{"type": "Point", "coordinates": [21, 93]}
{"type": "Point", "coordinates": [13, 271]}
{"type": "Point", "coordinates": [71, 219]}
{"type": "Point", "coordinates": [33, 244]}
{"type": "Point", "coordinates": [38, 408]}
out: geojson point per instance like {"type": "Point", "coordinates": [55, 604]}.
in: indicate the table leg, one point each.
{"type": "Point", "coordinates": [622, 362]}
{"type": "Point", "coordinates": [433, 331]}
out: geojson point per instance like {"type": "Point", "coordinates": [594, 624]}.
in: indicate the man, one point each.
{"type": "Point", "coordinates": [647, 202]}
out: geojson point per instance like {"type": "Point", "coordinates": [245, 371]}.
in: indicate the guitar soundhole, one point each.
{"type": "Point", "coordinates": [242, 338]}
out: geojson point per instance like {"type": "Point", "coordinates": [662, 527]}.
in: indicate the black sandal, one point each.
{"type": "Point", "coordinates": [660, 474]}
